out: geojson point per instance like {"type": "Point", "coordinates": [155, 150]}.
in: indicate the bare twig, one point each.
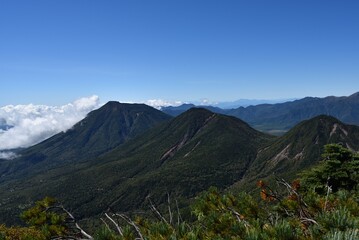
{"type": "Point", "coordinates": [132, 223]}
{"type": "Point", "coordinates": [77, 225]}
{"type": "Point", "coordinates": [169, 208]}
{"type": "Point", "coordinates": [309, 220]}
{"type": "Point", "coordinates": [73, 220]}
{"type": "Point", "coordinates": [179, 218]}
{"type": "Point", "coordinates": [329, 189]}
{"type": "Point", "coordinates": [119, 230]}
{"type": "Point", "coordinates": [154, 209]}
{"type": "Point", "coordinates": [303, 213]}
{"type": "Point", "coordinates": [108, 227]}
{"type": "Point", "coordinates": [238, 216]}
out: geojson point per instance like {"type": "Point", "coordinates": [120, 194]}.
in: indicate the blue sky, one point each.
{"type": "Point", "coordinates": [52, 52]}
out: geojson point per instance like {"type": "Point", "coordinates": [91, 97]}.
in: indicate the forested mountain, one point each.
{"type": "Point", "coordinates": [102, 130]}
{"type": "Point", "coordinates": [180, 157]}
{"type": "Point", "coordinates": [322, 203]}
{"type": "Point", "coordinates": [300, 148]}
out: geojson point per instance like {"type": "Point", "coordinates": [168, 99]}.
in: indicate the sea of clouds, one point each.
{"type": "Point", "coordinates": [31, 124]}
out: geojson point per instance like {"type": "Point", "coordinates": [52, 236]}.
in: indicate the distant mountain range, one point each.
{"type": "Point", "coordinates": [279, 118]}
{"type": "Point", "coordinates": [121, 154]}
{"type": "Point", "coordinates": [249, 102]}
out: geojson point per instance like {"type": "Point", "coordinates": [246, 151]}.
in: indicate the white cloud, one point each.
{"type": "Point", "coordinates": [35, 123]}
{"type": "Point", "coordinates": [7, 155]}
{"type": "Point", "coordinates": [158, 103]}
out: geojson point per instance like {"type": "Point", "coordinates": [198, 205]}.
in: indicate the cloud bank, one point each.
{"type": "Point", "coordinates": [158, 103]}
{"type": "Point", "coordinates": [32, 124]}
{"type": "Point", "coordinates": [7, 155]}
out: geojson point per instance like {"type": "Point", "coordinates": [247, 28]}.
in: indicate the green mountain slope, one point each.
{"type": "Point", "coordinates": [301, 148]}
{"type": "Point", "coordinates": [181, 157]}
{"type": "Point", "coordinates": [102, 130]}
{"type": "Point", "coordinates": [184, 156]}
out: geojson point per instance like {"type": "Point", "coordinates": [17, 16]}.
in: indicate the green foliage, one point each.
{"type": "Point", "coordinates": [20, 233]}
{"type": "Point", "coordinates": [338, 170]}
{"type": "Point", "coordinates": [105, 233]}
{"type": "Point", "coordinates": [41, 217]}
{"type": "Point", "coordinates": [291, 213]}
{"type": "Point", "coordinates": [225, 215]}
{"type": "Point", "coordinates": [351, 234]}
{"type": "Point", "coordinates": [301, 210]}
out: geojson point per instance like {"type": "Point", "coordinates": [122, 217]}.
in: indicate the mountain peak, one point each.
{"type": "Point", "coordinates": [198, 110]}
{"type": "Point", "coordinates": [119, 105]}
{"type": "Point", "coordinates": [102, 130]}
{"type": "Point", "coordinates": [119, 110]}
{"type": "Point", "coordinates": [111, 104]}
{"type": "Point", "coordinates": [320, 125]}
{"type": "Point", "coordinates": [323, 117]}
{"type": "Point", "coordinates": [302, 147]}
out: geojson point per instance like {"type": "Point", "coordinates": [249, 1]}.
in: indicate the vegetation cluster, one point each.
{"type": "Point", "coordinates": [323, 203]}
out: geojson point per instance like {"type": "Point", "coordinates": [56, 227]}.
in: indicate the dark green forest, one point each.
{"type": "Point", "coordinates": [322, 203]}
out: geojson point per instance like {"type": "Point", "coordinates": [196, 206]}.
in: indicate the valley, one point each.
{"type": "Point", "coordinates": [122, 154]}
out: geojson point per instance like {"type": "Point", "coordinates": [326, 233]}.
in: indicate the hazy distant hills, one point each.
{"type": "Point", "coordinates": [280, 117]}
{"type": "Point", "coordinates": [249, 102]}
{"type": "Point", "coordinates": [285, 115]}
{"type": "Point", "coordinates": [122, 153]}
